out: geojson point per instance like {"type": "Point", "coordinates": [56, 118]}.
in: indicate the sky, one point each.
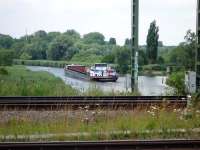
{"type": "Point", "coordinates": [110, 17]}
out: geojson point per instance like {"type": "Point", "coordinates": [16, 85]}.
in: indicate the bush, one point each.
{"type": "Point", "coordinates": [108, 59]}
{"type": "Point", "coordinates": [3, 71]}
{"type": "Point", "coordinates": [6, 57]}
{"type": "Point", "coordinates": [154, 67]}
{"type": "Point", "coordinates": [177, 81]}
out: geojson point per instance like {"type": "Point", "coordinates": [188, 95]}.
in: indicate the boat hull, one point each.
{"type": "Point", "coordinates": [77, 75]}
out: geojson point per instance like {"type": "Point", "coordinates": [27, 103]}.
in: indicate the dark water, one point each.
{"type": "Point", "coordinates": [148, 86]}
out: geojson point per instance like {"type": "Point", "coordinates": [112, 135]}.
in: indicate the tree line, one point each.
{"type": "Point", "coordinates": [93, 48]}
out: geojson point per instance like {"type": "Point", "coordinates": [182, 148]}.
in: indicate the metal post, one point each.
{"type": "Point", "coordinates": [134, 44]}
{"type": "Point", "coordinates": [198, 48]}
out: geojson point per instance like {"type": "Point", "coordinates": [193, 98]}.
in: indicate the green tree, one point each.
{"type": "Point", "coordinates": [73, 34]}
{"type": "Point", "coordinates": [6, 57]}
{"type": "Point", "coordinates": [88, 56]}
{"type": "Point", "coordinates": [52, 35]}
{"type": "Point", "coordinates": [160, 60]}
{"type": "Point", "coordinates": [123, 59]}
{"type": "Point", "coordinates": [176, 80]}
{"type": "Point", "coordinates": [184, 54]}
{"type": "Point", "coordinates": [6, 41]}
{"type": "Point", "coordinates": [152, 43]}
{"type": "Point", "coordinates": [40, 34]}
{"type": "Point", "coordinates": [71, 51]}
{"type": "Point", "coordinates": [112, 41]}
{"type": "Point", "coordinates": [110, 58]}
{"type": "Point", "coordinates": [142, 58]}
{"type": "Point", "coordinates": [25, 56]}
{"type": "Point", "coordinates": [58, 48]}
{"type": "Point", "coordinates": [94, 37]}
{"type": "Point", "coordinates": [36, 50]}
{"type": "Point", "coordinates": [127, 42]}
{"type": "Point", "coordinates": [18, 47]}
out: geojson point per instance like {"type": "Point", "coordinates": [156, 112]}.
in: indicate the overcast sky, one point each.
{"type": "Point", "coordinates": [110, 17]}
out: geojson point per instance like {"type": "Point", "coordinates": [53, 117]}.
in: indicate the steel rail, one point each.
{"type": "Point", "coordinates": [92, 102]}
{"type": "Point", "coordinates": [107, 145]}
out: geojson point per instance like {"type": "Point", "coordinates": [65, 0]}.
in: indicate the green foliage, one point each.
{"type": "Point", "coordinates": [22, 82]}
{"type": "Point", "coordinates": [112, 41]}
{"type": "Point", "coordinates": [127, 42]}
{"type": "Point", "coordinates": [160, 60]}
{"type": "Point", "coordinates": [177, 81]}
{"type": "Point", "coordinates": [6, 41]}
{"type": "Point", "coordinates": [40, 34]}
{"type": "Point", "coordinates": [59, 47]}
{"type": "Point", "coordinates": [74, 35]}
{"type": "Point", "coordinates": [68, 46]}
{"type": "Point", "coordinates": [94, 37]}
{"type": "Point", "coordinates": [6, 57]}
{"type": "Point", "coordinates": [3, 71]}
{"type": "Point", "coordinates": [152, 43]}
{"type": "Point", "coordinates": [123, 59]}
{"type": "Point", "coordinates": [25, 56]}
{"type": "Point", "coordinates": [184, 54]}
{"type": "Point", "coordinates": [142, 58]}
{"type": "Point", "coordinates": [52, 35]}
{"type": "Point", "coordinates": [154, 67]}
{"type": "Point", "coordinates": [153, 70]}
{"type": "Point", "coordinates": [87, 56]}
{"type": "Point", "coordinates": [110, 58]}
{"type": "Point", "coordinates": [37, 49]}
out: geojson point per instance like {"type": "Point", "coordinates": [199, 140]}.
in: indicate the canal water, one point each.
{"type": "Point", "coordinates": [148, 86]}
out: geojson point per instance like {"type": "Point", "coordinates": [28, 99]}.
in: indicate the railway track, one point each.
{"type": "Point", "coordinates": [107, 145]}
{"type": "Point", "coordinates": [91, 102]}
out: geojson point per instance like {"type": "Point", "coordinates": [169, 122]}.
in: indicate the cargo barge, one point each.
{"type": "Point", "coordinates": [98, 72]}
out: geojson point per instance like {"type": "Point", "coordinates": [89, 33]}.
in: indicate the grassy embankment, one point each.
{"type": "Point", "coordinates": [19, 81]}
{"type": "Point", "coordinates": [100, 125]}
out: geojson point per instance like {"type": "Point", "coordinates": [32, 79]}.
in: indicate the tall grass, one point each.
{"type": "Point", "coordinates": [19, 81]}
{"type": "Point", "coordinates": [95, 91]}
{"type": "Point", "coordinates": [103, 125]}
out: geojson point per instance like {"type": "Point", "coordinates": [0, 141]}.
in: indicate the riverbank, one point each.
{"type": "Point", "coordinates": [51, 63]}
{"type": "Point", "coordinates": [19, 81]}
{"type": "Point", "coordinates": [47, 63]}
{"type": "Point", "coordinates": [26, 81]}
{"type": "Point", "coordinates": [67, 125]}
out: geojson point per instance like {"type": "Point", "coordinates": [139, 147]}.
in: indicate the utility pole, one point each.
{"type": "Point", "coordinates": [134, 44]}
{"type": "Point", "coordinates": [198, 48]}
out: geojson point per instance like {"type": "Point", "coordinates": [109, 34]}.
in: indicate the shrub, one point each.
{"type": "Point", "coordinates": [3, 71]}
{"type": "Point", "coordinates": [177, 81]}
{"type": "Point", "coordinates": [6, 57]}
{"type": "Point", "coordinates": [154, 67]}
